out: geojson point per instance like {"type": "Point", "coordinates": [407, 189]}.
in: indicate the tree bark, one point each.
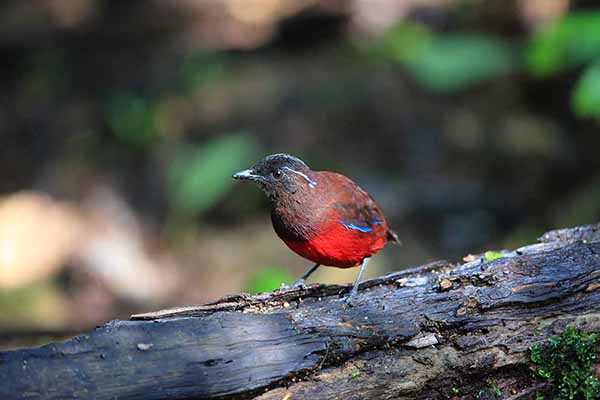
{"type": "Point", "coordinates": [432, 332]}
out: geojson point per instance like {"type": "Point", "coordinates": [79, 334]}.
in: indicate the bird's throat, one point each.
{"type": "Point", "coordinates": [293, 219]}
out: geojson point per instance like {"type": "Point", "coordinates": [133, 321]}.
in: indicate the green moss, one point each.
{"type": "Point", "coordinates": [355, 373]}
{"type": "Point", "coordinates": [490, 392]}
{"type": "Point", "coordinates": [492, 255]}
{"type": "Point", "coordinates": [566, 361]}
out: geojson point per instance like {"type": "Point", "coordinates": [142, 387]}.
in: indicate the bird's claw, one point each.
{"type": "Point", "coordinates": [299, 284]}
{"type": "Point", "coordinates": [349, 300]}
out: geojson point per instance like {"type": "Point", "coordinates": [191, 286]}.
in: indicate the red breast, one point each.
{"type": "Point", "coordinates": [337, 246]}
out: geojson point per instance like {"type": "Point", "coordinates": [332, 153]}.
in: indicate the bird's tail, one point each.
{"type": "Point", "coordinates": [392, 237]}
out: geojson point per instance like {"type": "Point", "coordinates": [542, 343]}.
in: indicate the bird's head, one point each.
{"type": "Point", "coordinates": [279, 174]}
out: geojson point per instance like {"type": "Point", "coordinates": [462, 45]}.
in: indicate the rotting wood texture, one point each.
{"type": "Point", "coordinates": [431, 332]}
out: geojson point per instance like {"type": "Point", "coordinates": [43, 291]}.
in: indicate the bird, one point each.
{"type": "Point", "coordinates": [322, 216]}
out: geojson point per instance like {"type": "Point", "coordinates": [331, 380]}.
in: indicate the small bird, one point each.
{"type": "Point", "coordinates": [323, 216]}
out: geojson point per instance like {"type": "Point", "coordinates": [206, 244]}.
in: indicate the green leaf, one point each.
{"type": "Point", "coordinates": [449, 62]}
{"type": "Point", "coordinates": [200, 176]}
{"type": "Point", "coordinates": [403, 42]}
{"type": "Point", "coordinates": [492, 255]}
{"type": "Point", "coordinates": [586, 96]}
{"type": "Point", "coordinates": [457, 62]}
{"type": "Point", "coordinates": [200, 69]}
{"type": "Point", "coordinates": [571, 41]}
{"type": "Point", "coordinates": [131, 119]}
{"type": "Point", "coordinates": [267, 279]}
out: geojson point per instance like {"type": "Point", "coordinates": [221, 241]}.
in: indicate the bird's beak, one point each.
{"type": "Point", "coordinates": [247, 175]}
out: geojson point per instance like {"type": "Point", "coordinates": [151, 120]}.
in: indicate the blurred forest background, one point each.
{"type": "Point", "coordinates": [473, 123]}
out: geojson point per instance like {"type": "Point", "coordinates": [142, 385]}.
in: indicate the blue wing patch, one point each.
{"type": "Point", "coordinates": [364, 229]}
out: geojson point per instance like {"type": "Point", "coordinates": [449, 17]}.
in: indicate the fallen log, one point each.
{"type": "Point", "coordinates": [436, 331]}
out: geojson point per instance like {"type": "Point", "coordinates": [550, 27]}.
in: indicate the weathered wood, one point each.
{"type": "Point", "coordinates": [412, 334]}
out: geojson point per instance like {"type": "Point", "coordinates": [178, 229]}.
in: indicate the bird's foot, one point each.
{"type": "Point", "coordinates": [350, 300]}
{"type": "Point", "coordinates": [299, 284]}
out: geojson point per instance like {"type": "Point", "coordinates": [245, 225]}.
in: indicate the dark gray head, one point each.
{"type": "Point", "coordinates": [279, 173]}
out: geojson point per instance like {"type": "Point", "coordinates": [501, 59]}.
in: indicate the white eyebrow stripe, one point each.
{"type": "Point", "coordinates": [311, 183]}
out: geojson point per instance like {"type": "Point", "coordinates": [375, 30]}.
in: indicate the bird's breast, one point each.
{"type": "Point", "coordinates": [338, 245]}
{"type": "Point", "coordinates": [294, 223]}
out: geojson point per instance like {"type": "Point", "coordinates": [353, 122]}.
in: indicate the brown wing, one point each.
{"type": "Point", "coordinates": [356, 209]}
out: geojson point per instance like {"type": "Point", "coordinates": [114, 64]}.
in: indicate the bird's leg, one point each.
{"type": "Point", "coordinates": [300, 282]}
{"type": "Point", "coordinates": [357, 281]}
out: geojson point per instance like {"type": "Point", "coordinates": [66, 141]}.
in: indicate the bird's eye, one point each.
{"type": "Point", "coordinates": [277, 174]}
